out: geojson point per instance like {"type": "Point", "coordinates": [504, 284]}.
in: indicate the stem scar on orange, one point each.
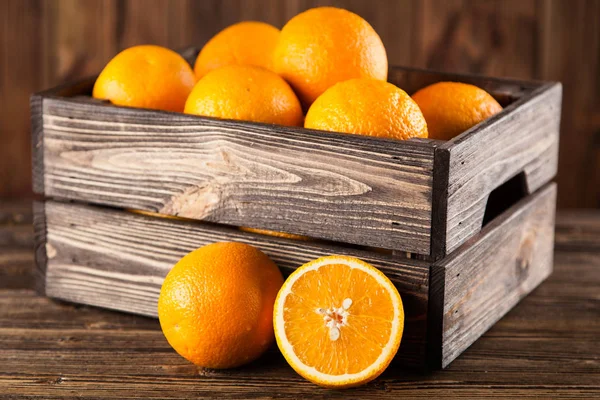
{"type": "Point", "coordinates": [338, 321]}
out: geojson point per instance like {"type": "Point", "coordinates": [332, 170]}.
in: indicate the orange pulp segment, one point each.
{"type": "Point", "coordinates": [338, 321]}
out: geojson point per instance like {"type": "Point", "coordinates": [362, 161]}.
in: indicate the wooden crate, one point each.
{"type": "Point", "coordinates": [475, 214]}
{"type": "Point", "coordinates": [420, 196]}
{"type": "Point", "coordinates": [116, 259]}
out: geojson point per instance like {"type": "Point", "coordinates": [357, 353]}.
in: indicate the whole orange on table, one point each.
{"type": "Point", "coordinates": [147, 77]}
{"type": "Point", "coordinates": [244, 43]}
{"type": "Point", "coordinates": [451, 108]}
{"type": "Point", "coordinates": [323, 46]}
{"type": "Point", "coordinates": [245, 92]}
{"type": "Point", "coordinates": [216, 304]}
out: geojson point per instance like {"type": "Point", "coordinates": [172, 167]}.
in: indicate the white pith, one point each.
{"type": "Point", "coordinates": [335, 317]}
{"type": "Point", "coordinates": [334, 327]}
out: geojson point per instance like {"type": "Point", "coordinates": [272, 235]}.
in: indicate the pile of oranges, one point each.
{"type": "Point", "coordinates": [337, 320]}
{"type": "Point", "coordinates": [327, 62]}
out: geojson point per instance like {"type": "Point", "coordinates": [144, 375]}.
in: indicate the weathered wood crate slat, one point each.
{"type": "Point", "coordinates": [419, 196]}
{"type": "Point", "coordinates": [239, 174]}
{"type": "Point", "coordinates": [117, 259]}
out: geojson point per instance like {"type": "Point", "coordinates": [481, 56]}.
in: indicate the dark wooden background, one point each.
{"type": "Point", "coordinates": [46, 42]}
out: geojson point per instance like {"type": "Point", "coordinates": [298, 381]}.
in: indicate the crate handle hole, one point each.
{"type": "Point", "coordinates": [504, 197]}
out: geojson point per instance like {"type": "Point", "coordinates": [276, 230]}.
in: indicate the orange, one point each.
{"type": "Point", "coordinates": [246, 42]}
{"type": "Point", "coordinates": [451, 108]}
{"type": "Point", "coordinates": [216, 304]}
{"type": "Point", "coordinates": [275, 233]}
{"type": "Point", "coordinates": [367, 107]}
{"type": "Point", "coordinates": [246, 93]}
{"type": "Point", "coordinates": [323, 46]}
{"type": "Point", "coordinates": [146, 77]}
{"type": "Point", "coordinates": [338, 321]}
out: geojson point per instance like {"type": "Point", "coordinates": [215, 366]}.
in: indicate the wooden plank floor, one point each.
{"type": "Point", "coordinates": [548, 346]}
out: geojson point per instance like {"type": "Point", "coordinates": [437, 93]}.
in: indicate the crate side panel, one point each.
{"type": "Point", "coordinates": [345, 188]}
{"type": "Point", "coordinates": [488, 276]}
{"type": "Point", "coordinates": [117, 259]}
{"type": "Point", "coordinates": [523, 139]}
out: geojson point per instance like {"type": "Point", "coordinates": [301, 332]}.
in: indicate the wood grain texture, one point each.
{"type": "Point", "coordinates": [15, 225]}
{"type": "Point", "coordinates": [492, 272]}
{"type": "Point", "coordinates": [20, 45]}
{"type": "Point", "coordinates": [118, 260]}
{"type": "Point", "coordinates": [578, 230]}
{"type": "Point", "coordinates": [570, 53]}
{"type": "Point", "coordinates": [40, 231]}
{"type": "Point", "coordinates": [439, 202]}
{"type": "Point", "coordinates": [522, 138]}
{"type": "Point", "coordinates": [546, 347]}
{"type": "Point", "coordinates": [369, 191]}
{"type": "Point", "coordinates": [497, 38]}
{"type": "Point", "coordinates": [16, 242]}
{"type": "Point", "coordinates": [78, 38]}
{"type": "Point", "coordinates": [37, 143]}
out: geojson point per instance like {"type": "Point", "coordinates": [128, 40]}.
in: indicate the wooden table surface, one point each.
{"type": "Point", "coordinates": [547, 346]}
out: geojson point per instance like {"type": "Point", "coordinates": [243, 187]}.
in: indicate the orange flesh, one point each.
{"type": "Point", "coordinates": [367, 328]}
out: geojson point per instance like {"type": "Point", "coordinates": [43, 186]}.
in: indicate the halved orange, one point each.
{"type": "Point", "coordinates": [338, 321]}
